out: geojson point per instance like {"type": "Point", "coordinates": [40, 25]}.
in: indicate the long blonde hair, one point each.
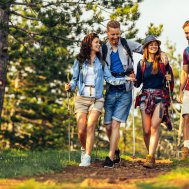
{"type": "Point", "coordinates": [156, 59]}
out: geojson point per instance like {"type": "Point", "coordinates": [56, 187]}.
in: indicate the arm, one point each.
{"type": "Point", "coordinates": [169, 76]}
{"type": "Point", "coordinates": [184, 75]}
{"type": "Point", "coordinates": [135, 47]}
{"type": "Point", "coordinates": [75, 75]}
{"type": "Point", "coordinates": [183, 80]}
{"type": "Point", "coordinates": [139, 75]}
{"type": "Point", "coordinates": [164, 58]}
{"type": "Point", "coordinates": [111, 79]}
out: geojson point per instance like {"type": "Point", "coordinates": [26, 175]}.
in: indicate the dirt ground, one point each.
{"type": "Point", "coordinates": [126, 175]}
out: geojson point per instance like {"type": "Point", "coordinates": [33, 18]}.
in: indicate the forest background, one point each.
{"type": "Point", "coordinates": [39, 41]}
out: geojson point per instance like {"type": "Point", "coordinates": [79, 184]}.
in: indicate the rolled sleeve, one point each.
{"type": "Point", "coordinates": [75, 75]}
{"type": "Point", "coordinates": [111, 79]}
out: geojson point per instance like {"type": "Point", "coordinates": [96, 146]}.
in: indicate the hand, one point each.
{"type": "Point", "coordinates": [180, 97]}
{"type": "Point", "coordinates": [67, 86]}
{"type": "Point", "coordinates": [131, 77]}
{"type": "Point", "coordinates": [164, 58]}
{"type": "Point", "coordinates": [168, 77]}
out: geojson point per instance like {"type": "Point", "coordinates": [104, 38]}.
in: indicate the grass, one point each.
{"type": "Point", "coordinates": [17, 163]}
{"type": "Point", "coordinates": [177, 178]}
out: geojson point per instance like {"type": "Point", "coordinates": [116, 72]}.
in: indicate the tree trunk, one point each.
{"type": "Point", "coordinates": [4, 20]}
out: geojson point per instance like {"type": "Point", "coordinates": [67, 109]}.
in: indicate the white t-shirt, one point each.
{"type": "Point", "coordinates": [90, 80]}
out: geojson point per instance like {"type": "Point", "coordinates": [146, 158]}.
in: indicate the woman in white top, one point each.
{"type": "Point", "coordinates": [88, 76]}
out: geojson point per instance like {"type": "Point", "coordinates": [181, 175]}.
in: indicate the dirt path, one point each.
{"type": "Point", "coordinates": [124, 176]}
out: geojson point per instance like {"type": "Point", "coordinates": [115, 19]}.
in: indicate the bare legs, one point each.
{"type": "Point", "coordinates": [151, 125]}
{"type": "Point", "coordinates": [86, 129]}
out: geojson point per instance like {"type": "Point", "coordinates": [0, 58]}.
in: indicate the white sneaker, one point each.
{"type": "Point", "coordinates": [82, 153]}
{"type": "Point", "coordinates": [86, 161]}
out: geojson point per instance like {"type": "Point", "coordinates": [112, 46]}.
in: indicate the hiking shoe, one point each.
{"type": "Point", "coordinates": [108, 163]}
{"type": "Point", "coordinates": [86, 161]}
{"type": "Point", "coordinates": [185, 153]}
{"type": "Point", "coordinates": [82, 153]}
{"type": "Point", "coordinates": [117, 158]}
{"type": "Point", "coordinates": [150, 161]}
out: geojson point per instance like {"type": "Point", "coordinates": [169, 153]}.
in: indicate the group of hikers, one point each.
{"type": "Point", "coordinates": [113, 61]}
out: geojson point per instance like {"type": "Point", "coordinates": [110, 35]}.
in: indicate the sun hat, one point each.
{"type": "Point", "coordinates": [149, 39]}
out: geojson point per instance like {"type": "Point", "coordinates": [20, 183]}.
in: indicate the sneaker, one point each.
{"type": "Point", "coordinates": [150, 161]}
{"type": "Point", "coordinates": [86, 161]}
{"type": "Point", "coordinates": [82, 153]}
{"type": "Point", "coordinates": [185, 153]}
{"type": "Point", "coordinates": [117, 158]}
{"type": "Point", "coordinates": [108, 163]}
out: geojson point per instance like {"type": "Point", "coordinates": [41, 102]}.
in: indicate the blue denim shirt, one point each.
{"type": "Point", "coordinates": [78, 79]}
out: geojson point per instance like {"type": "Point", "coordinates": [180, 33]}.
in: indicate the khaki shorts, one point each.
{"type": "Point", "coordinates": [185, 106]}
{"type": "Point", "coordinates": [87, 104]}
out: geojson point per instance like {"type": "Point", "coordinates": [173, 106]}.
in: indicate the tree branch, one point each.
{"type": "Point", "coordinates": [24, 30]}
{"type": "Point", "coordinates": [21, 42]}
{"type": "Point", "coordinates": [27, 17]}
{"type": "Point", "coordinates": [42, 35]}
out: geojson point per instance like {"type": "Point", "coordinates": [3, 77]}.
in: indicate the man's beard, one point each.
{"type": "Point", "coordinates": [114, 42]}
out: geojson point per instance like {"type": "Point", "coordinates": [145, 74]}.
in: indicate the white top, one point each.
{"type": "Point", "coordinates": [90, 80]}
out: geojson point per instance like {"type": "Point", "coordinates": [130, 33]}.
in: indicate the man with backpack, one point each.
{"type": "Point", "coordinates": [184, 94]}
{"type": "Point", "coordinates": [117, 53]}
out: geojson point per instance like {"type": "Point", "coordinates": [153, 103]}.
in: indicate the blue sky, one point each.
{"type": "Point", "coordinates": [171, 13]}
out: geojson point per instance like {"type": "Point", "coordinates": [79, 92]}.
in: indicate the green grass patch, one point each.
{"type": "Point", "coordinates": [17, 163]}
{"type": "Point", "coordinates": [166, 181]}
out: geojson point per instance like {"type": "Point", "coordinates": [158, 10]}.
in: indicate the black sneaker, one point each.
{"type": "Point", "coordinates": [108, 163]}
{"type": "Point", "coordinates": [117, 158]}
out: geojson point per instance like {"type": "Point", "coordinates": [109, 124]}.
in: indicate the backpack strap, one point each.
{"type": "Point", "coordinates": [104, 51]}
{"type": "Point", "coordinates": [126, 46]}
{"type": "Point", "coordinates": [104, 55]}
{"type": "Point", "coordinates": [162, 68]}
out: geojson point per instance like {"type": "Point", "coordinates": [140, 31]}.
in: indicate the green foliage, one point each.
{"type": "Point", "coordinates": [43, 38]}
{"type": "Point", "coordinates": [170, 141]}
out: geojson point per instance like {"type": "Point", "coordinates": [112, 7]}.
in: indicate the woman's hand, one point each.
{"type": "Point", "coordinates": [164, 58]}
{"type": "Point", "coordinates": [168, 77]}
{"type": "Point", "coordinates": [131, 77]}
{"type": "Point", "coordinates": [67, 86]}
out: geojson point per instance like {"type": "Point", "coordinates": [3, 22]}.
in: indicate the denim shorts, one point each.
{"type": "Point", "coordinates": [143, 104]}
{"type": "Point", "coordinates": [117, 105]}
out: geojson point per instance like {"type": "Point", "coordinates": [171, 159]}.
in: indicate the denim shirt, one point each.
{"type": "Point", "coordinates": [124, 57]}
{"type": "Point", "coordinates": [78, 79]}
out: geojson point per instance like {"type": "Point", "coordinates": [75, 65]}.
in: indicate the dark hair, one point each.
{"type": "Point", "coordinates": [85, 49]}
{"type": "Point", "coordinates": [113, 24]}
{"type": "Point", "coordinates": [185, 24]}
